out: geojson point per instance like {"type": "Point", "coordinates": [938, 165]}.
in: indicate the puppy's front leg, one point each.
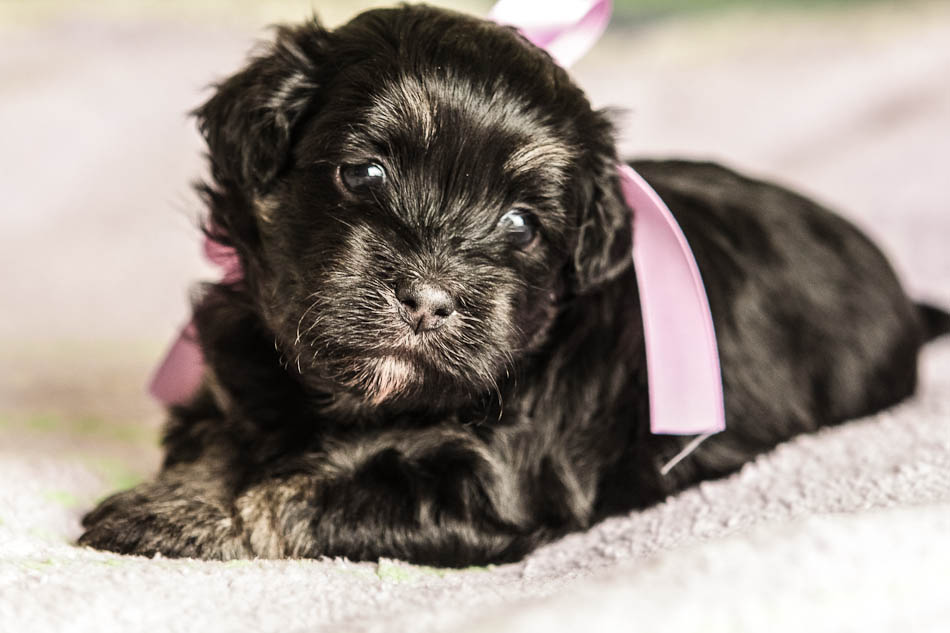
{"type": "Point", "coordinates": [188, 510]}
{"type": "Point", "coordinates": [177, 517]}
{"type": "Point", "coordinates": [444, 506]}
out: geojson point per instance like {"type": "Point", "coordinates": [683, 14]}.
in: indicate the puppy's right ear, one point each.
{"type": "Point", "coordinates": [247, 124]}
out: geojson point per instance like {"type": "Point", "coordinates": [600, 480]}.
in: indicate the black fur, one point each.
{"type": "Point", "coordinates": [325, 426]}
{"type": "Point", "coordinates": [935, 320]}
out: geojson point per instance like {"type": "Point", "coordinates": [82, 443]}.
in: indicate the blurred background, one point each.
{"type": "Point", "coordinates": [848, 101]}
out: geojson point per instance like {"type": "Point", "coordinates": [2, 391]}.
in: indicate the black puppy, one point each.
{"type": "Point", "coordinates": [436, 353]}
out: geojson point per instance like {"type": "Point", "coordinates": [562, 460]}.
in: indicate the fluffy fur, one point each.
{"type": "Point", "coordinates": [326, 425]}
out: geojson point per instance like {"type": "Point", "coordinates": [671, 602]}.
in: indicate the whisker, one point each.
{"type": "Point", "coordinates": [300, 321]}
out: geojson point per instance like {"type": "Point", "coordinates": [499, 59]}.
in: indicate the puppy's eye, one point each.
{"type": "Point", "coordinates": [520, 227]}
{"type": "Point", "coordinates": [363, 176]}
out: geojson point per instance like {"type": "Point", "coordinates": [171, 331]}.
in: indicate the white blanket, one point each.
{"type": "Point", "coordinates": [848, 529]}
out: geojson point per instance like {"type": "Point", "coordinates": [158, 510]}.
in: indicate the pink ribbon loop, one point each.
{"type": "Point", "coordinates": [225, 258]}
{"type": "Point", "coordinates": [683, 372]}
{"type": "Point", "coordinates": [566, 29]}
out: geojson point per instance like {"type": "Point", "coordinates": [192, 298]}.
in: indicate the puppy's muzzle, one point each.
{"type": "Point", "coordinates": [426, 306]}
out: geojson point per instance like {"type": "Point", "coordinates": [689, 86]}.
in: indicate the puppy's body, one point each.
{"type": "Point", "coordinates": [325, 426]}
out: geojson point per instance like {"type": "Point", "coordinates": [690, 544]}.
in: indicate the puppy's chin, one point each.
{"type": "Point", "coordinates": [393, 382]}
{"type": "Point", "coordinates": [385, 378]}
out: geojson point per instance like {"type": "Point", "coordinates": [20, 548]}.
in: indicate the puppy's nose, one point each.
{"type": "Point", "coordinates": [427, 305]}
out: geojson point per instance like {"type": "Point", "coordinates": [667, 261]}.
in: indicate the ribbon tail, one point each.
{"type": "Point", "coordinates": [683, 371]}
{"type": "Point", "coordinates": [178, 376]}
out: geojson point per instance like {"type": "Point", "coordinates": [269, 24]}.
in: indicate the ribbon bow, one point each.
{"type": "Point", "coordinates": [683, 373]}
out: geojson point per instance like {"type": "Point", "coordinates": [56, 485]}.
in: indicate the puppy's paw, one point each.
{"type": "Point", "coordinates": [154, 519]}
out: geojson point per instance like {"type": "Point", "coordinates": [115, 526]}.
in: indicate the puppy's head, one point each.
{"type": "Point", "coordinates": [413, 196]}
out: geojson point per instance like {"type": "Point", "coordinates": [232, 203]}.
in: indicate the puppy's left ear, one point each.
{"type": "Point", "coordinates": [604, 232]}
{"type": "Point", "coordinates": [247, 124]}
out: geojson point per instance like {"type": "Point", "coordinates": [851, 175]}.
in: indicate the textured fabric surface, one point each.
{"type": "Point", "coordinates": [845, 530]}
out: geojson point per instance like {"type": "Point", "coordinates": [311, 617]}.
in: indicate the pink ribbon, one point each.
{"type": "Point", "coordinates": [683, 372]}
{"type": "Point", "coordinates": [177, 378]}
{"type": "Point", "coordinates": [566, 29]}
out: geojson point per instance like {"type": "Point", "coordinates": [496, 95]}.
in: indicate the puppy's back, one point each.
{"type": "Point", "coordinates": [813, 325]}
